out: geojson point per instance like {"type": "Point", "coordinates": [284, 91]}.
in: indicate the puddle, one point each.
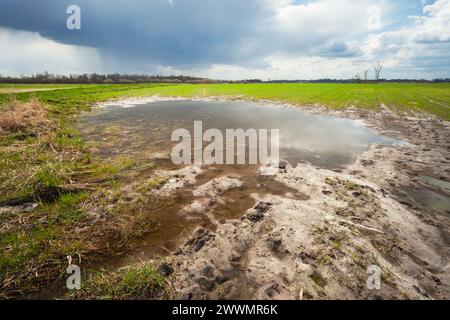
{"type": "Point", "coordinates": [432, 194]}
{"type": "Point", "coordinates": [145, 129]}
{"type": "Point", "coordinates": [436, 183]}
{"type": "Point", "coordinates": [430, 200]}
{"type": "Point", "coordinates": [325, 141]}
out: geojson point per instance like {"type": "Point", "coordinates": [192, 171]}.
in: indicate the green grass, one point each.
{"type": "Point", "coordinates": [46, 169]}
{"type": "Point", "coordinates": [67, 207]}
{"type": "Point", "coordinates": [402, 97]}
{"type": "Point", "coordinates": [13, 86]}
{"type": "Point", "coordinates": [24, 246]}
{"type": "Point", "coordinates": [151, 184]}
{"type": "Point", "coordinates": [137, 282]}
{"type": "Point", "coordinates": [111, 170]}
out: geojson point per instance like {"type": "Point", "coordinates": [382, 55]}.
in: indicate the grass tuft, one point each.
{"type": "Point", "coordinates": [28, 119]}
{"type": "Point", "coordinates": [137, 282]}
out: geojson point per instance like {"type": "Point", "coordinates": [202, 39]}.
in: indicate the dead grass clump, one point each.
{"type": "Point", "coordinates": [28, 118]}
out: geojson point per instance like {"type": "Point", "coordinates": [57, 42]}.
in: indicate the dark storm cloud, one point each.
{"type": "Point", "coordinates": [179, 32]}
{"type": "Point", "coordinates": [256, 36]}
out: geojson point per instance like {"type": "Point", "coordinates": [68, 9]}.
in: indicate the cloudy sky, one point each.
{"type": "Point", "coordinates": [228, 39]}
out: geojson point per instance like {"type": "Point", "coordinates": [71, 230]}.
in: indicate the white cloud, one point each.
{"type": "Point", "coordinates": [325, 17]}
{"type": "Point", "coordinates": [27, 52]}
{"type": "Point", "coordinates": [422, 47]}
{"type": "Point", "coordinates": [435, 26]}
{"type": "Point", "coordinates": [279, 67]}
{"type": "Point", "coordinates": [313, 27]}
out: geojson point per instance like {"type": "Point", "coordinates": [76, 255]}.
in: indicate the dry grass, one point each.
{"type": "Point", "coordinates": [29, 118]}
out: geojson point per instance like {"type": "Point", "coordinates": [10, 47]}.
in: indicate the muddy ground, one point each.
{"type": "Point", "coordinates": [320, 246]}
{"type": "Point", "coordinates": [311, 233]}
{"type": "Point", "coordinates": [295, 231]}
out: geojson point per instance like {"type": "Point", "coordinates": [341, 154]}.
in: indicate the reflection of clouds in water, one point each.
{"type": "Point", "coordinates": [303, 136]}
{"type": "Point", "coordinates": [324, 139]}
{"type": "Point", "coordinates": [318, 133]}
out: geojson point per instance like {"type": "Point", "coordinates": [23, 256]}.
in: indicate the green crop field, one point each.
{"type": "Point", "coordinates": [402, 97]}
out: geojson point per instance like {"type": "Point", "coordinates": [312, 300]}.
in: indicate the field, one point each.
{"type": "Point", "coordinates": [45, 162]}
{"type": "Point", "coordinates": [432, 98]}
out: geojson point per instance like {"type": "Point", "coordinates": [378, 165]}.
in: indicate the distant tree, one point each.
{"type": "Point", "coordinates": [378, 68]}
{"type": "Point", "coordinates": [366, 75]}
{"type": "Point", "coordinates": [103, 78]}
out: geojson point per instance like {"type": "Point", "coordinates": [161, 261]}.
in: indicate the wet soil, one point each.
{"type": "Point", "coordinates": [171, 224]}
{"type": "Point", "coordinates": [312, 229]}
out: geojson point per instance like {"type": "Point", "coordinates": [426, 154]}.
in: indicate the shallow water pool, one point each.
{"type": "Point", "coordinates": [325, 141]}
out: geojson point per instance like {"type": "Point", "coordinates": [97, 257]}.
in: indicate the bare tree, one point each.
{"type": "Point", "coordinates": [378, 68]}
{"type": "Point", "coordinates": [366, 75]}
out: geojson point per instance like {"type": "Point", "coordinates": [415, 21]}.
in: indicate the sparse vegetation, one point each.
{"type": "Point", "coordinates": [50, 182]}
{"type": "Point", "coordinates": [153, 183]}
{"type": "Point", "coordinates": [137, 282]}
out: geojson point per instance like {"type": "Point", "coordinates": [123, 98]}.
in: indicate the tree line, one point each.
{"type": "Point", "coordinates": [95, 78]}
{"type": "Point", "coordinates": [116, 78]}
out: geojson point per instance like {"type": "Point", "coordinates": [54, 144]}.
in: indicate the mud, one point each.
{"type": "Point", "coordinates": [298, 231]}
{"type": "Point", "coordinates": [205, 197]}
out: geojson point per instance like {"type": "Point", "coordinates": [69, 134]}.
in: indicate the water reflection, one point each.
{"type": "Point", "coordinates": [324, 141]}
